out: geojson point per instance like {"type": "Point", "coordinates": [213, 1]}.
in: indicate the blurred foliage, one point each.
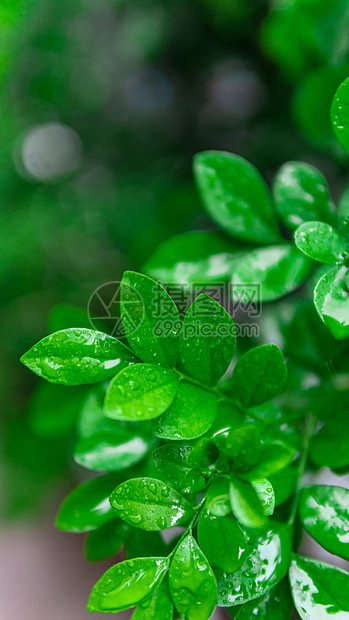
{"type": "Point", "coordinates": [136, 87]}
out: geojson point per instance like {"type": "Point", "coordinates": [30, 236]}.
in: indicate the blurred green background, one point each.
{"type": "Point", "coordinates": [102, 106]}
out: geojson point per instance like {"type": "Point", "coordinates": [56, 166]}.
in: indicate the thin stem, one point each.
{"type": "Point", "coordinates": [189, 529]}
{"type": "Point", "coordinates": [308, 433]}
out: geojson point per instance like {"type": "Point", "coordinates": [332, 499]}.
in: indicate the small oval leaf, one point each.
{"type": "Point", "coordinates": [321, 242]}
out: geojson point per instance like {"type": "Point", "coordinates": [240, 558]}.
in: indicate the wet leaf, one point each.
{"type": "Point", "coordinates": [276, 604]}
{"type": "Point", "coordinates": [106, 541]}
{"type": "Point", "coordinates": [319, 590]}
{"type": "Point", "coordinates": [245, 504]}
{"type": "Point", "coordinates": [87, 507]}
{"type": "Point", "coordinates": [150, 319]}
{"type": "Point", "coordinates": [331, 298]}
{"type": "Point", "coordinates": [222, 541]}
{"type": "Point", "coordinates": [284, 484]}
{"type": "Point", "coordinates": [109, 445]}
{"type": "Point", "coordinates": [301, 194]}
{"type": "Point", "coordinates": [126, 584]}
{"type": "Point", "coordinates": [190, 415]}
{"type": "Point", "coordinates": [236, 196]}
{"type": "Point", "coordinates": [207, 340]}
{"type": "Point", "coordinates": [203, 454]}
{"type": "Point", "coordinates": [269, 273]}
{"type": "Point", "coordinates": [339, 114]}
{"type": "Point", "coordinates": [171, 463]}
{"type": "Point", "coordinates": [259, 375]}
{"type": "Point", "coordinates": [157, 606]}
{"type": "Point", "coordinates": [142, 392]}
{"type": "Point", "coordinates": [217, 497]}
{"type": "Point", "coordinates": [324, 511]}
{"type": "Point", "coordinates": [330, 446]}
{"type": "Point", "coordinates": [274, 457]}
{"type": "Point", "coordinates": [150, 504]}
{"type": "Point", "coordinates": [266, 496]}
{"type": "Point", "coordinates": [192, 582]}
{"type": "Point", "coordinates": [321, 242]}
{"type": "Point", "coordinates": [243, 447]}
{"type": "Point", "coordinates": [263, 568]}
{"type": "Point", "coordinates": [77, 356]}
{"type": "Point", "coordinates": [198, 257]}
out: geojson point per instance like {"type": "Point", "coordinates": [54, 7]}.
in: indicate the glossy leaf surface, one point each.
{"type": "Point", "coordinates": [217, 497]}
{"type": "Point", "coordinates": [331, 298]}
{"type": "Point", "coordinates": [243, 447]}
{"type": "Point", "coordinates": [145, 307]}
{"type": "Point", "coordinates": [275, 456]}
{"type": "Point", "coordinates": [259, 375]}
{"type": "Point", "coordinates": [77, 356]}
{"type": "Point", "coordinates": [330, 446]}
{"type": "Point", "coordinates": [171, 463]}
{"type": "Point", "coordinates": [263, 568]}
{"type": "Point", "coordinates": [319, 590]}
{"type": "Point", "coordinates": [245, 504]}
{"type": "Point", "coordinates": [222, 541]}
{"type": "Point", "coordinates": [301, 194]}
{"type": "Point", "coordinates": [106, 541]}
{"type": "Point", "coordinates": [198, 257]}
{"type": "Point", "coordinates": [192, 582]}
{"type": "Point", "coordinates": [157, 606]}
{"type": "Point", "coordinates": [236, 196]}
{"type": "Point", "coordinates": [266, 495]}
{"type": "Point", "coordinates": [87, 507]}
{"type": "Point", "coordinates": [339, 114]}
{"type": "Point", "coordinates": [270, 273]}
{"type": "Point", "coordinates": [150, 504]}
{"type": "Point", "coordinates": [321, 242]}
{"type": "Point", "coordinates": [284, 484]}
{"type": "Point", "coordinates": [276, 604]}
{"type": "Point", "coordinates": [127, 584]}
{"type": "Point", "coordinates": [207, 340]}
{"type": "Point", "coordinates": [109, 445]}
{"type": "Point", "coordinates": [324, 511]}
{"type": "Point", "coordinates": [191, 414]}
{"type": "Point", "coordinates": [142, 392]}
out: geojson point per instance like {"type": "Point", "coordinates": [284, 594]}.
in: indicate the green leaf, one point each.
{"type": "Point", "coordinates": [106, 541]}
{"type": "Point", "coordinates": [77, 356]}
{"type": "Point", "coordinates": [301, 194]}
{"type": "Point", "coordinates": [141, 392]}
{"type": "Point", "coordinates": [222, 541]}
{"type": "Point", "coordinates": [330, 446]}
{"type": "Point", "coordinates": [145, 544]}
{"type": "Point", "coordinates": [259, 375]}
{"type": "Point", "coordinates": [63, 316]}
{"type": "Point", "coordinates": [217, 497]}
{"type": "Point", "coordinates": [245, 504]}
{"type": "Point", "coordinates": [236, 196]}
{"type": "Point", "coordinates": [263, 568]}
{"type": "Point", "coordinates": [53, 409]}
{"type": "Point", "coordinates": [243, 446]}
{"type": "Point", "coordinates": [321, 242]}
{"type": "Point", "coordinates": [331, 298]}
{"type": "Point", "coordinates": [269, 273]}
{"type": "Point", "coordinates": [150, 319]}
{"type": "Point", "coordinates": [275, 456]}
{"type": "Point", "coordinates": [339, 114]}
{"type": "Point", "coordinates": [266, 496]}
{"type": "Point", "coordinates": [87, 507]}
{"type": "Point", "coordinates": [207, 340]}
{"type": "Point", "coordinates": [150, 504]}
{"type": "Point", "coordinates": [191, 414]}
{"type": "Point", "coordinates": [127, 584]}
{"type": "Point", "coordinates": [319, 590]}
{"type": "Point", "coordinates": [156, 606]}
{"type": "Point", "coordinates": [276, 604]}
{"type": "Point", "coordinates": [284, 484]}
{"type": "Point", "coordinates": [324, 511]}
{"type": "Point", "coordinates": [195, 257]}
{"type": "Point", "coordinates": [109, 445]}
{"type": "Point", "coordinates": [204, 454]}
{"type": "Point", "coordinates": [192, 582]}
{"type": "Point", "coordinates": [171, 463]}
